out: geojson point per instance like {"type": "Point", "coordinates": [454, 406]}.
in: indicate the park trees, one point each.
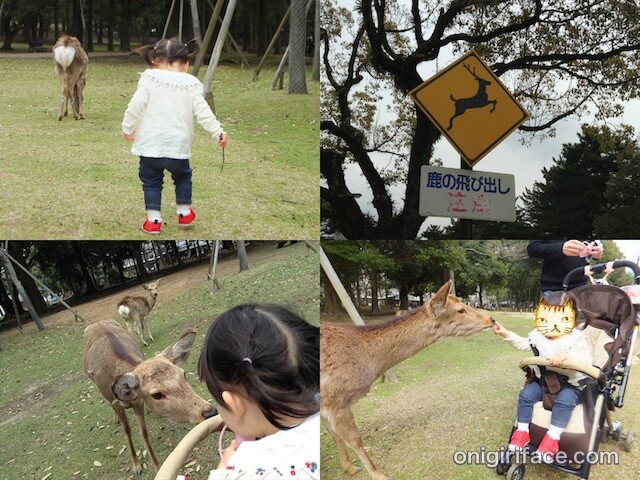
{"type": "Point", "coordinates": [590, 190]}
{"type": "Point", "coordinates": [559, 58]}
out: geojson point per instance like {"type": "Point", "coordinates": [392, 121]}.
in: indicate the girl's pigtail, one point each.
{"type": "Point", "coordinates": [147, 52]}
{"type": "Point", "coordinates": [192, 48]}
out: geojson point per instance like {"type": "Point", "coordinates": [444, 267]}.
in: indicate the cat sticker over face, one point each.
{"type": "Point", "coordinates": [553, 321]}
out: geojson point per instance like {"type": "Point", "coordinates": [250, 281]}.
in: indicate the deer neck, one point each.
{"type": "Point", "coordinates": [402, 339]}
{"type": "Point", "coordinates": [151, 300]}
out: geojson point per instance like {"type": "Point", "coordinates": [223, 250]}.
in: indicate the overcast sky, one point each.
{"type": "Point", "coordinates": [524, 161]}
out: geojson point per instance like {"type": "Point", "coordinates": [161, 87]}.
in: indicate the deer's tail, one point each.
{"type": "Point", "coordinates": [64, 55]}
{"type": "Point", "coordinates": [453, 98]}
{"type": "Point", "coordinates": [123, 310]}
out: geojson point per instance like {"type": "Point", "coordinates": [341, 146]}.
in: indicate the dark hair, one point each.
{"type": "Point", "coordinates": [268, 351]}
{"type": "Point", "coordinates": [169, 50]}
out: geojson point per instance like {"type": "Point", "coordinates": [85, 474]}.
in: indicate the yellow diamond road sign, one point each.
{"type": "Point", "coordinates": [470, 106]}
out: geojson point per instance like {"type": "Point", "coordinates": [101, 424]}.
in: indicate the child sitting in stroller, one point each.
{"type": "Point", "coordinates": [554, 337]}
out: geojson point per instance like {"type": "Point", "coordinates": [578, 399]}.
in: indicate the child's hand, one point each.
{"type": "Point", "coordinates": [222, 141]}
{"type": "Point", "coordinates": [500, 330]}
{"type": "Point", "coordinates": [226, 455]}
{"type": "Point", "coordinates": [129, 137]}
{"type": "Point", "coordinates": [559, 358]}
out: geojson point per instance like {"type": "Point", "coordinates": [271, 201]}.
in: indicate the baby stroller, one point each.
{"type": "Point", "coordinates": [611, 318]}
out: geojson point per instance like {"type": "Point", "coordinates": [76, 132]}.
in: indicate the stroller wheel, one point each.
{"type": "Point", "coordinates": [515, 472]}
{"type": "Point", "coordinates": [629, 441]}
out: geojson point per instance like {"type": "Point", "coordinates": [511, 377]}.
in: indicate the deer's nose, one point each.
{"type": "Point", "coordinates": [209, 413]}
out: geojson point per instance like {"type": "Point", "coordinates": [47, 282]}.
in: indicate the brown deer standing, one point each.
{"type": "Point", "coordinates": [114, 361]}
{"type": "Point", "coordinates": [70, 61]}
{"type": "Point", "coordinates": [135, 310]}
{"type": "Point", "coordinates": [479, 100]}
{"type": "Point", "coordinates": [353, 357]}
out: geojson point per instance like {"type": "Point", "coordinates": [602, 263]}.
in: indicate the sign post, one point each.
{"type": "Point", "coordinates": [472, 108]}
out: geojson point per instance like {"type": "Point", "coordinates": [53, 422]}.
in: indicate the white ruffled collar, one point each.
{"type": "Point", "coordinates": [548, 348]}
{"type": "Point", "coordinates": [171, 79]}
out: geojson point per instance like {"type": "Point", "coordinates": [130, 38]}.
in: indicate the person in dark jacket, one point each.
{"type": "Point", "coordinates": [559, 258]}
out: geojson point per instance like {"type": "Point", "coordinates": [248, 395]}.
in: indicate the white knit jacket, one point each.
{"type": "Point", "coordinates": [160, 114]}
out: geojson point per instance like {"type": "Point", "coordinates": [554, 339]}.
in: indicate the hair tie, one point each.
{"type": "Point", "coordinates": [248, 360]}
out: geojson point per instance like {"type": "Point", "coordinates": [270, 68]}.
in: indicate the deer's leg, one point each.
{"type": "Point", "coordinates": [80, 95]}
{"type": "Point", "coordinates": [145, 323]}
{"type": "Point", "coordinates": [63, 104]}
{"type": "Point", "coordinates": [343, 424]}
{"type": "Point", "coordinates": [122, 415]}
{"type": "Point", "coordinates": [142, 427]}
{"type": "Point", "coordinates": [137, 323]}
{"type": "Point", "coordinates": [343, 453]}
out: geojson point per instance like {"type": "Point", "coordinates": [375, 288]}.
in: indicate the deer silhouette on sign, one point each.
{"type": "Point", "coordinates": [479, 100]}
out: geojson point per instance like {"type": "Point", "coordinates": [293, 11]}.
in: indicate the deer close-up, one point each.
{"type": "Point", "coordinates": [353, 357]}
{"type": "Point", "coordinates": [135, 310]}
{"type": "Point", "coordinates": [70, 61]}
{"type": "Point", "coordinates": [114, 362]}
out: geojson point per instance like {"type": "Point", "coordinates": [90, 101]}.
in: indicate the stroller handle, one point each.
{"type": "Point", "coordinates": [589, 370]}
{"type": "Point", "coordinates": [599, 268]}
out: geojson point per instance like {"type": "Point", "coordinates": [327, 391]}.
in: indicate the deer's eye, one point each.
{"type": "Point", "coordinates": [462, 310]}
{"type": "Point", "coordinates": [158, 396]}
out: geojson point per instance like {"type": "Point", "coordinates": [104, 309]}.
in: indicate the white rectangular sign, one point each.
{"type": "Point", "coordinates": [450, 192]}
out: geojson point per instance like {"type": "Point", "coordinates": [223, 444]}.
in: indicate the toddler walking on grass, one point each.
{"type": "Point", "coordinates": [159, 122]}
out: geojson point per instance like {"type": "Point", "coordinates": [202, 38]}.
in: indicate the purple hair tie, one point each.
{"type": "Point", "coordinates": [248, 360]}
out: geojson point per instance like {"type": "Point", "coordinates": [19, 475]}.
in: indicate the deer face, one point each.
{"type": "Point", "coordinates": [152, 288]}
{"type": "Point", "coordinates": [162, 384]}
{"type": "Point", "coordinates": [164, 388]}
{"type": "Point", "coordinates": [455, 317]}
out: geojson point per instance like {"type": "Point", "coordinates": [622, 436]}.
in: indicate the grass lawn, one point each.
{"type": "Point", "coordinates": [458, 394]}
{"type": "Point", "coordinates": [54, 420]}
{"type": "Point", "coordinates": [79, 180]}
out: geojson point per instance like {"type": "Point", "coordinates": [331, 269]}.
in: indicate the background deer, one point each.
{"type": "Point", "coordinates": [135, 310]}
{"type": "Point", "coordinates": [114, 361]}
{"type": "Point", "coordinates": [70, 61]}
{"type": "Point", "coordinates": [479, 100]}
{"type": "Point", "coordinates": [352, 358]}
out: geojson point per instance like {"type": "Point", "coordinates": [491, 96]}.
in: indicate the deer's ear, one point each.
{"type": "Point", "coordinates": [439, 300]}
{"type": "Point", "coordinates": [145, 286]}
{"type": "Point", "coordinates": [179, 351]}
{"type": "Point", "coordinates": [126, 388]}
{"type": "Point", "coordinates": [157, 282]}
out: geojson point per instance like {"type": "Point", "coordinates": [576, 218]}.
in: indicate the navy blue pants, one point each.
{"type": "Point", "coordinates": [566, 400]}
{"type": "Point", "coordinates": [152, 174]}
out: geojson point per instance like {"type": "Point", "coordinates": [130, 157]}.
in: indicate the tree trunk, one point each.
{"type": "Point", "coordinates": [297, 44]}
{"type": "Point", "coordinates": [375, 305]}
{"type": "Point", "coordinates": [242, 256]}
{"type": "Point", "coordinates": [332, 304]}
{"type": "Point", "coordinates": [125, 26]}
{"type": "Point", "coordinates": [195, 20]}
{"type": "Point", "coordinates": [89, 26]}
{"type": "Point", "coordinates": [137, 257]}
{"type": "Point", "coordinates": [28, 284]}
{"type": "Point", "coordinates": [91, 288]}
{"type": "Point", "coordinates": [358, 293]}
{"type": "Point", "coordinates": [110, 23]}
{"type": "Point", "coordinates": [262, 27]}
{"type": "Point", "coordinates": [404, 297]}
{"type": "Point", "coordinates": [315, 72]}
{"type": "Point", "coordinates": [56, 15]}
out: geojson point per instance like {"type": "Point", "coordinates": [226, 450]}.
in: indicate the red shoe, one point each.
{"type": "Point", "coordinates": [519, 440]}
{"type": "Point", "coordinates": [185, 221]}
{"type": "Point", "coordinates": [548, 448]}
{"type": "Point", "coordinates": [154, 228]}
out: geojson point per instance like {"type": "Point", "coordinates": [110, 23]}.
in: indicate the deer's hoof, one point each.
{"type": "Point", "coordinates": [353, 470]}
{"type": "Point", "coordinates": [59, 119]}
{"type": "Point", "coordinates": [137, 472]}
